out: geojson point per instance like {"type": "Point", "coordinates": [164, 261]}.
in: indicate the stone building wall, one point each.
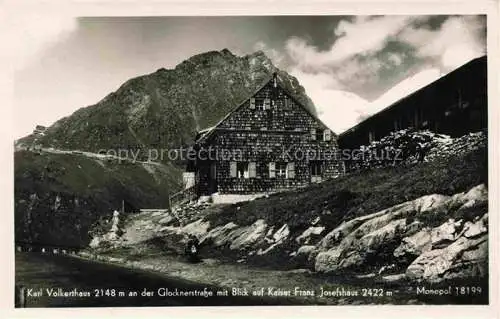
{"type": "Point", "coordinates": [270, 127]}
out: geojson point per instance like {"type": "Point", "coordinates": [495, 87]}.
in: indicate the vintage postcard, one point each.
{"type": "Point", "coordinates": [253, 160]}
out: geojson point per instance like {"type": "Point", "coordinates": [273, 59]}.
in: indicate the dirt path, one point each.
{"type": "Point", "coordinates": [300, 285]}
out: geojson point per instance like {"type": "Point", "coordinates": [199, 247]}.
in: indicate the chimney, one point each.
{"type": "Point", "coordinates": [275, 79]}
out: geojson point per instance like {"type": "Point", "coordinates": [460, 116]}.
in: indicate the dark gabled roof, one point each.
{"type": "Point", "coordinates": [398, 102]}
{"type": "Point", "coordinates": [205, 133]}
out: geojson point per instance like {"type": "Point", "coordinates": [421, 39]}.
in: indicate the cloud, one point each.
{"type": "Point", "coordinates": [331, 104]}
{"type": "Point", "coordinates": [365, 46]}
{"type": "Point", "coordinates": [362, 36]}
{"type": "Point", "coordinates": [362, 49]}
{"type": "Point", "coordinates": [30, 33]}
{"type": "Point", "coordinates": [370, 53]}
{"type": "Point", "coordinates": [395, 58]}
{"type": "Point", "coordinates": [276, 56]}
{"type": "Point", "coordinates": [457, 41]}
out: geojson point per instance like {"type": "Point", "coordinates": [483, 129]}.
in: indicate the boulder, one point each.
{"type": "Point", "coordinates": [305, 251]}
{"type": "Point", "coordinates": [353, 249]}
{"type": "Point", "coordinates": [437, 264]}
{"type": "Point", "coordinates": [473, 263]}
{"type": "Point", "coordinates": [336, 235]}
{"type": "Point", "coordinates": [305, 237]}
{"type": "Point", "coordinates": [351, 244]}
{"type": "Point", "coordinates": [387, 268]}
{"type": "Point", "coordinates": [479, 227]}
{"type": "Point", "coordinates": [414, 245]}
{"type": "Point", "coordinates": [220, 235]}
{"type": "Point", "coordinates": [475, 195]}
{"type": "Point", "coordinates": [304, 256]}
{"type": "Point", "coordinates": [281, 234]}
{"type": "Point", "coordinates": [197, 228]}
{"type": "Point", "coordinates": [393, 278]}
{"type": "Point", "coordinates": [327, 261]}
{"type": "Point", "coordinates": [379, 237]}
{"type": "Point", "coordinates": [445, 233]}
{"type": "Point", "coordinates": [278, 237]}
{"type": "Point", "coordinates": [366, 224]}
{"type": "Point", "coordinates": [245, 236]}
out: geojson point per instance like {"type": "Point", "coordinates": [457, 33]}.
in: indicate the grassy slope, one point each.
{"type": "Point", "coordinates": [361, 193]}
{"type": "Point", "coordinates": [73, 191]}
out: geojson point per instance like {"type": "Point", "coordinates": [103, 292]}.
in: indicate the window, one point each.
{"type": "Point", "coordinates": [282, 170]}
{"type": "Point", "coordinates": [252, 169]}
{"type": "Point", "coordinates": [290, 170]}
{"type": "Point", "coordinates": [327, 135]}
{"type": "Point", "coordinates": [272, 170]}
{"type": "Point", "coordinates": [316, 168]}
{"type": "Point", "coordinates": [243, 169]}
{"type": "Point", "coordinates": [288, 103]}
{"type": "Point", "coordinates": [267, 104]}
{"type": "Point", "coordinates": [259, 104]}
{"type": "Point", "coordinates": [321, 135]}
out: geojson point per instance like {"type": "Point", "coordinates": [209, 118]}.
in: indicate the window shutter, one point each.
{"type": "Point", "coordinates": [290, 170]}
{"type": "Point", "coordinates": [327, 135]}
{"type": "Point", "coordinates": [252, 169]}
{"type": "Point", "coordinates": [232, 169]}
{"type": "Point", "coordinates": [272, 170]}
{"type": "Point", "coordinates": [313, 134]}
{"type": "Point", "coordinates": [252, 103]}
{"type": "Point", "coordinates": [267, 103]}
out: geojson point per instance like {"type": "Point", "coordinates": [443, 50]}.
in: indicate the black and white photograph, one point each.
{"type": "Point", "coordinates": [251, 160]}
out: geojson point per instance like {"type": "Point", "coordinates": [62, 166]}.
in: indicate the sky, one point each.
{"type": "Point", "coordinates": [350, 66]}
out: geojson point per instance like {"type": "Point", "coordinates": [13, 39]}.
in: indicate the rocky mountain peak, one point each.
{"type": "Point", "coordinates": [167, 107]}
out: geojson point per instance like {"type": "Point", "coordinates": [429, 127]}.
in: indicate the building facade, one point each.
{"type": "Point", "coordinates": [268, 143]}
{"type": "Point", "coordinates": [455, 104]}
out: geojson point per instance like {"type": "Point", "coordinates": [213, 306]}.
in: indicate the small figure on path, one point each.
{"type": "Point", "coordinates": [192, 248]}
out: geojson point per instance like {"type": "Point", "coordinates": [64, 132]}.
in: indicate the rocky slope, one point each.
{"type": "Point", "coordinates": [431, 238]}
{"type": "Point", "coordinates": [166, 108]}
